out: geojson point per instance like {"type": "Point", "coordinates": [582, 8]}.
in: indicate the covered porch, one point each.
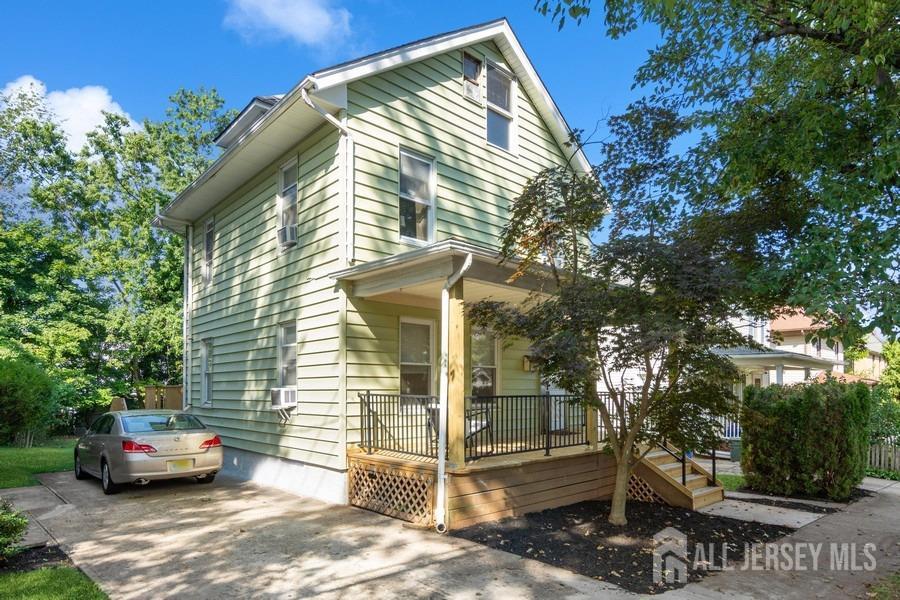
{"type": "Point", "coordinates": [497, 416]}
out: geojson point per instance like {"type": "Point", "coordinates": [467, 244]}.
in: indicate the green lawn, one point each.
{"type": "Point", "coordinates": [731, 482]}
{"type": "Point", "coordinates": [55, 583]}
{"type": "Point", "coordinates": [888, 589]}
{"type": "Point", "coordinates": [19, 465]}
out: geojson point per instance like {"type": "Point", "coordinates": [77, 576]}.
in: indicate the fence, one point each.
{"type": "Point", "coordinates": [885, 455]}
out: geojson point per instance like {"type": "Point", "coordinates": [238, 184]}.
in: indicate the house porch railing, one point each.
{"type": "Point", "coordinates": [494, 425]}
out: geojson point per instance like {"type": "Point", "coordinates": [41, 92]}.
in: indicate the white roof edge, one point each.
{"type": "Point", "coordinates": [414, 51]}
{"type": "Point", "coordinates": [404, 259]}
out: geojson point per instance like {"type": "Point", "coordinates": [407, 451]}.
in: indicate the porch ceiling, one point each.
{"type": "Point", "coordinates": [417, 277]}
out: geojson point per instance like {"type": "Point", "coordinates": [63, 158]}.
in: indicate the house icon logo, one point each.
{"type": "Point", "coordinates": [670, 556]}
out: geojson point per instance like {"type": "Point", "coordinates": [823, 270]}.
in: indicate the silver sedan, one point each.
{"type": "Point", "coordinates": [138, 446]}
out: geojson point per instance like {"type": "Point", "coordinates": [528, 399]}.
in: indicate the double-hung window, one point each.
{"type": "Point", "coordinates": [417, 192]}
{"type": "Point", "coordinates": [287, 355]}
{"type": "Point", "coordinates": [206, 372]}
{"type": "Point", "coordinates": [287, 205]}
{"type": "Point", "coordinates": [484, 363]}
{"type": "Point", "coordinates": [500, 89]}
{"type": "Point", "coordinates": [415, 357]}
{"type": "Point", "coordinates": [209, 239]}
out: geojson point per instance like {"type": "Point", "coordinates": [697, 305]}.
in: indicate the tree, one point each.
{"type": "Point", "coordinates": [890, 378]}
{"type": "Point", "coordinates": [104, 198]}
{"type": "Point", "coordinates": [652, 303]}
{"type": "Point", "coordinates": [786, 117]}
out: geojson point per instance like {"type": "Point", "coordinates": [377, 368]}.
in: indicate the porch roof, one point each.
{"type": "Point", "coordinates": [421, 273]}
{"type": "Point", "coordinates": [755, 358]}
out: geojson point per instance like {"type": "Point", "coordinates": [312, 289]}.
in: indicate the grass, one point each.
{"type": "Point", "coordinates": [55, 583]}
{"type": "Point", "coordinates": [731, 482]}
{"type": "Point", "coordinates": [18, 466]}
{"type": "Point", "coordinates": [887, 589]}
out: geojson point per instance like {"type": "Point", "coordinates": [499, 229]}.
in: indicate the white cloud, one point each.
{"type": "Point", "coordinates": [313, 23]}
{"type": "Point", "coordinates": [77, 110]}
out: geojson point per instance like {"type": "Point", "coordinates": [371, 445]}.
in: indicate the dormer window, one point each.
{"type": "Point", "coordinates": [500, 86]}
{"type": "Point", "coordinates": [472, 77]}
{"type": "Point", "coordinates": [287, 206]}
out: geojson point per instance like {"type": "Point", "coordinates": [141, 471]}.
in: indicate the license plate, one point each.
{"type": "Point", "coordinates": [180, 465]}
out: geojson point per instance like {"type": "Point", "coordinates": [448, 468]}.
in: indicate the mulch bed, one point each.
{"type": "Point", "coordinates": [578, 538]}
{"type": "Point", "coordinates": [36, 558]}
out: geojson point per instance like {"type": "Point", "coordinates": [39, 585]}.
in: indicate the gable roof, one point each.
{"type": "Point", "coordinates": [253, 148]}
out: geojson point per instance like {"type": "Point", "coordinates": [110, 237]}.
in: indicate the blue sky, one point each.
{"type": "Point", "coordinates": [129, 57]}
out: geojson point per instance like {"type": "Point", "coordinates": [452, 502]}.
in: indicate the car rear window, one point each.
{"type": "Point", "coordinates": [148, 423]}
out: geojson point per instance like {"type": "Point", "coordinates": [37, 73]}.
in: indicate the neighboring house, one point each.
{"type": "Point", "coordinates": [797, 333]}
{"type": "Point", "coordinates": [330, 249]}
{"type": "Point", "coordinates": [872, 364]}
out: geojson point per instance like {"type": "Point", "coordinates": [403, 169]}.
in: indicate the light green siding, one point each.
{"type": "Point", "coordinates": [421, 107]}
{"type": "Point", "coordinates": [255, 288]}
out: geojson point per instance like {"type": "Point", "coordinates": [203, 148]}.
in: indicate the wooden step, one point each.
{"type": "Point", "coordinates": [660, 457]}
{"type": "Point", "coordinates": [707, 495]}
{"type": "Point", "coordinates": [694, 482]}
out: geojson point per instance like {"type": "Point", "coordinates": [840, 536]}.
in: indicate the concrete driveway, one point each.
{"type": "Point", "coordinates": [233, 539]}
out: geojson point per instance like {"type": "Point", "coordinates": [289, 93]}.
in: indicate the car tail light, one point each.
{"type": "Point", "coordinates": [131, 446]}
{"type": "Point", "coordinates": [213, 442]}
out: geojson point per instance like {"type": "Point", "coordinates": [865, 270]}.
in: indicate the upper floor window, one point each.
{"type": "Point", "coordinates": [287, 205]}
{"type": "Point", "coordinates": [500, 107]}
{"type": "Point", "coordinates": [472, 77]}
{"type": "Point", "coordinates": [209, 239]}
{"type": "Point", "coordinates": [417, 191]}
{"type": "Point", "coordinates": [287, 355]}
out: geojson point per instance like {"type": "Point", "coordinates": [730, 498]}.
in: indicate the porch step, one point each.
{"type": "Point", "coordinates": [662, 471]}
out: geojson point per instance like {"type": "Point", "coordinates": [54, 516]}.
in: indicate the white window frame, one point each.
{"type": "Point", "coordinates": [281, 345]}
{"type": "Point", "coordinates": [209, 247]}
{"type": "Point", "coordinates": [496, 366]}
{"type": "Point", "coordinates": [206, 372]}
{"type": "Point", "coordinates": [510, 114]}
{"type": "Point", "coordinates": [400, 363]}
{"type": "Point", "coordinates": [432, 188]}
{"type": "Point", "coordinates": [279, 223]}
{"type": "Point", "coordinates": [479, 81]}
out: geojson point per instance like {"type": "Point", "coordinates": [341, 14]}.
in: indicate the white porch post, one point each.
{"type": "Point", "coordinates": [779, 374]}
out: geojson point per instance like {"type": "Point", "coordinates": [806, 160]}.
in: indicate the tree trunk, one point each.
{"type": "Point", "coordinates": [620, 492]}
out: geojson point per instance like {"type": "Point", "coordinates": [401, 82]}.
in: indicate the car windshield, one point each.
{"type": "Point", "coordinates": [148, 423]}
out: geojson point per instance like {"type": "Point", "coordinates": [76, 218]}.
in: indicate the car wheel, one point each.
{"type": "Point", "coordinates": [205, 478]}
{"type": "Point", "coordinates": [79, 472]}
{"type": "Point", "coordinates": [106, 481]}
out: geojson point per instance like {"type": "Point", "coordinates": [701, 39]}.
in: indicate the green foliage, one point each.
{"type": "Point", "coordinates": [19, 465]}
{"type": "Point", "coordinates": [890, 378]}
{"type": "Point", "coordinates": [12, 527]}
{"type": "Point", "coordinates": [56, 583]}
{"type": "Point", "coordinates": [774, 126]}
{"type": "Point", "coordinates": [91, 290]}
{"type": "Point", "coordinates": [731, 482]}
{"type": "Point", "coordinates": [806, 439]}
{"type": "Point", "coordinates": [883, 474]}
{"type": "Point", "coordinates": [26, 401]}
{"type": "Point", "coordinates": [885, 421]}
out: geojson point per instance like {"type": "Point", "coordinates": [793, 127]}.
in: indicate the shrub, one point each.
{"type": "Point", "coordinates": [12, 528]}
{"type": "Point", "coordinates": [885, 422]}
{"type": "Point", "coordinates": [26, 400]}
{"type": "Point", "coordinates": [806, 439]}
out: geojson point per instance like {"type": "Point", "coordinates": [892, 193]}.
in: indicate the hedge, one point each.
{"type": "Point", "coordinates": [808, 439]}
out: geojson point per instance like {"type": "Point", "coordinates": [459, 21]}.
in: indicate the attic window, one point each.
{"type": "Point", "coordinates": [472, 77]}
{"type": "Point", "coordinates": [500, 86]}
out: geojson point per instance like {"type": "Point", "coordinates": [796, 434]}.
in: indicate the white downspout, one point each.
{"type": "Point", "coordinates": [440, 514]}
{"type": "Point", "coordinates": [349, 175]}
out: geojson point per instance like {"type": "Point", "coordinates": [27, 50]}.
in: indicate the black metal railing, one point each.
{"type": "Point", "coordinates": [399, 423]}
{"type": "Point", "coordinates": [499, 425]}
{"type": "Point", "coordinates": [494, 425]}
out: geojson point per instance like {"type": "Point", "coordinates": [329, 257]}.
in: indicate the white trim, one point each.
{"type": "Point", "coordinates": [209, 249]}
{"type": "Point", "coordinates": [511, 115]}
{"type": "Point", "coordinates": [186, 317]}
{"type": "Point", "coordinates": [498, 31]}
{"type": "Point", "coordinates": [432, 191]}
{"type": "Point", "coordinates": [400, 363]}
{"type": "Point", "coordinates": [206, 370]}
{"type": "Point", "coordinates": [279, 340]}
